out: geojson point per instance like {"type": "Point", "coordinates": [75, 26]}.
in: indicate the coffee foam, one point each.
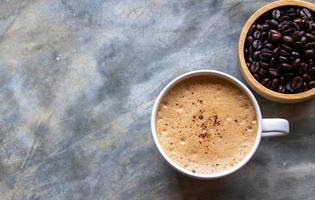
{"type": "Point", "coordinates": [206, 125]}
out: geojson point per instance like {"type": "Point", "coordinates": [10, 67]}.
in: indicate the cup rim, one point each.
{"type": "Point", "coordinates": [229, 78]}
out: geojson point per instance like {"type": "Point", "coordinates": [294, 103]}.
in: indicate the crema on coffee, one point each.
{"type": "Point", "coordinates": [206, 124]}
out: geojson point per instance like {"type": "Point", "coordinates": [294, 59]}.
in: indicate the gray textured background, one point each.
{"type": "Point", "coordinates": [77, 84]}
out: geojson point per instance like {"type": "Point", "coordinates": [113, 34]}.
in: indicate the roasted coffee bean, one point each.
{"type": "Point", "coordinates": [295, 54]}
{"type": "Point", "coordinates": [296, 36]}
{"type": "Point", "coordinates": [310, 62]}
{"type": "Point", "coordinates": [252, 29]}
{"type": "Point", "coordinates": [262, 72]}
{"type": "Point", "coordinates": [311, 84]}
{"type": "Point", "coordinates": [283, 59]}
{"type": "Point", "coordinates": [305, 87]}
{"type": "Point", "coordinates": [280, 49]}
{"type": "Point", "coordinates": [309, 53]}
{"type": "Point", "coordinates": [305, 14]}
{"type": "Point", "coordinates": [276, 14]}
{"type": "Point", "coordinates": [257, 34]}
{"type": "Point", "coordinates": [289, 75]}
{"type": "Point", "coordinates": [297, 83]}
{"type": "Point", "coordinates": [296, 63]}
{"type": "Point", "coordinates": [306, 77]}
{"type": "Point", "coordinates": [257, 44]}
{"type": "Point", "coordinates": [270, 46]}
{"type": "Point", "coordinates": [303, 40]}
{"type": "Point", "coordinates": [310, 45]}
{"type": "Point", "coordinates": [256, 55]}
{"type": "Point", "coordinates": [288, 88]}
{"type": "Point", "coordinates": [281, 88]}
{"type": "Point", "coordinates": [275, 84]}
{"type": "Point", "coordinates": [287, 39]}
{"type": "Point", "coordinates": [254, 67]}
{"type": "Point", "coordinates": [264, 36]}
{"type": "Point", "coordinates": [266, 82]}
{"type": "Point", "coordinates": [249, 40]}
{"type": "Point", "coordinates": [256, 76]}
{"type": "Point", "coordinates": [265, 27]}
{"type": "Point", "coordinates": [273, 62]}
{"type": "Point", "coordinates": [310, 36]}
{"type": "Point", "coordinates": [284, 53]}
{"type": "Point", "coordinates": [286, 67]}
{"type": "Point", "coordinates": [300, 22]}
{"type": "Point", "coordinates": [285, 18]}
{"type": "Point", "coordinates": [286, 48]}
{"type": "Point", "coordinates": [276, 52]}
{"type": "Point", "coordinates": [263, 64]}
{"type": "Point", "coordinates": [273, 72]}
{"type": "Point", "coordinates": [275, 36]}
{"type": "Point", "coordinates": [312, 70]}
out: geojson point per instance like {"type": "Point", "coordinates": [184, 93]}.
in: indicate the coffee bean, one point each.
{"type": "Point", "coordinates": [256, 55]}
{"type": "Point", "coordinates": [311, 84]}
{"type": "Point", "coordinates": [276, 14]}
{"type": "Point", "coordinates": [287, 39]}
{"type": "Point", "coordinates": [275, 84]}
{"type": "Point", "coordinates": [296, 36]}
{"type": "Point", "coordinates": [257, 34]}
{"type": "Point", "coordinates": [262, 72]}
{"type": "Point", "coordinates": [283, 59]}
{"type": "Point", "coordinates": [254, 67]}
{"type": "Point", "coordinates": [305, 14]}
{"type": "Point", "coordinates": [265, 27]}
{"type": "Point", "coordinates": [284, 53]}
{"type": "Point", "coordinates": [306, 77]}
{"type": "Point", "coordinates": [256, 76]}
{"type": "Point", "coordinates": [288, 88]}
{"type": "Point", "coordinates": [312, 70]}
{"type": "Point", "coordinates": [288, 75]}
{"type": "Point", "coordinates": [305, 87]}
{"type": "Point", "coordinates": [285, 18]}
{"type": "Point", "coordinates": [266, 82]}
{"type": "Point", "coordinates": [273, 62]}
{"type": "Point", "coordinates": [286, 67]}
{"type": "Point", "coordinates": [310, 45]}
{"type": "Point", "coordinates": [286, 48]}
{"type": "Point", "coordinates": [276, 52]}
{"type": "Point", "coordinates": [295, 54]}
{"type": "Point", "coordinates": [303, 40]}
{"type": "Point", "coordinates": [257, 44]}
{"type": "Point", "coordinates": [299, 22]}
{"type": "Point", "coordinates": [310, 36]}
{"type": "Point", "coordinates": [297, 83]}
{"type": "Point", "coordinates": [275, 36]}
{"type": "Point", "coordinates": [252, 29]}
{"type": "Point", "coordinates": [263, 64]}
{"type": "Point", "coordinates": [309, 53]}
{"type": "Point", "coordinates": [270, 46]}
{"type": "Point", "coordinates": [296, 63]}
{"type": "Point", "coordinates": [273, 72]}
{"type": "Point", "coordinates": [264, 36]}
{"type": "Point", "coordinates": [310, 62]}
{"type": "Point", "coordinates": [281, 88]}
{"type": "Point", "coordinates": [249, 40]}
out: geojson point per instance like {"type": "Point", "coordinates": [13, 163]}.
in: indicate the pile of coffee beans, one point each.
{"type": "Point", "coordinates": [280, 49]}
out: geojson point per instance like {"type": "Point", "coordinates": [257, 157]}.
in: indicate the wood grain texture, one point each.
{"type": "Point", "coordinates": [260, 89]}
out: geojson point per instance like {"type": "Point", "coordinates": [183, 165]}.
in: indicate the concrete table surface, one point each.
{"type": "Point", "coordinates": [77, 83]}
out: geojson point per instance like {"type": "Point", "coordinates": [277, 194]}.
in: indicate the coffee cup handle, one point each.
{"type": "Point", "coordinates": [272, 127]}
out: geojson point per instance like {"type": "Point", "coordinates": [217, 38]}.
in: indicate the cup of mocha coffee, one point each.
{"type": "Point", "coordinates": [207, 124]}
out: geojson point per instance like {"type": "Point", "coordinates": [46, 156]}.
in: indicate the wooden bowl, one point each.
{"type": "Point", "coordinates": [258, 87]}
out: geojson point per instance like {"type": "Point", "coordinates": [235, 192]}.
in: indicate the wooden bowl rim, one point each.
{"type": "Point", "coordinates": [258, 87]}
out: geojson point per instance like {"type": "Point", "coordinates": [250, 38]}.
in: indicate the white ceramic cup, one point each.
{"type": "Point", "coordinates": [266, 127]}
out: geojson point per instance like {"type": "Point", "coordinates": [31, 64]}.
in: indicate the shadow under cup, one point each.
{"type": "Point", "coordinates": [233, 81]}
